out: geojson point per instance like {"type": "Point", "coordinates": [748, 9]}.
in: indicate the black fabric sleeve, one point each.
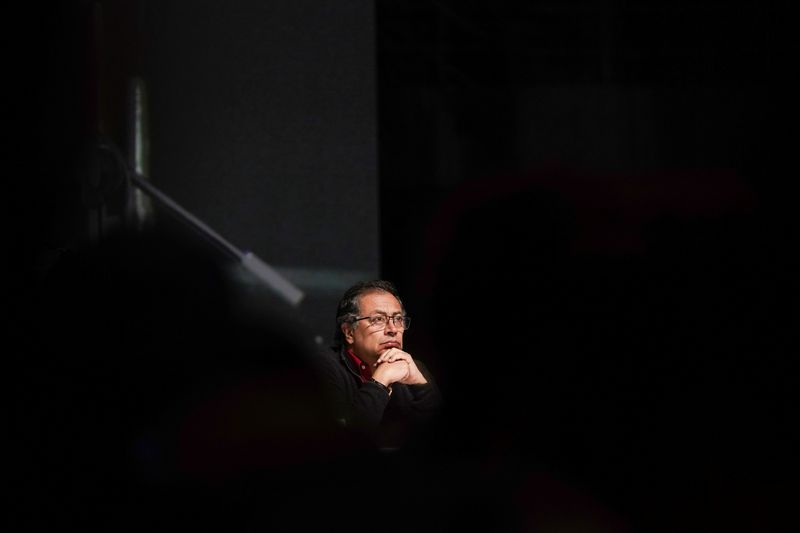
{"type": "Point", "coordinates": [426, 400]}
{"type": "Point", "coordinates": [355, 405]}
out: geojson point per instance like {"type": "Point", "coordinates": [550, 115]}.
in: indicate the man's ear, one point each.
{"type": "Point", "coordinates": [347, 331]}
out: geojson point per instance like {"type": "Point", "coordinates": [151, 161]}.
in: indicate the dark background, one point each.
{"type": "Point", "coordinates": [588, 208]}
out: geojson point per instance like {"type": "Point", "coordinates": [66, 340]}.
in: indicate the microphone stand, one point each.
{"type": "Point", "coordinates": [248, 260]}
{"type": "Point", "coordinates": [135, 180]}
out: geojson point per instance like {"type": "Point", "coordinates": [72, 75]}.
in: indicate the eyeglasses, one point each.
{"type": "Point", "coordinates": [381, 321]}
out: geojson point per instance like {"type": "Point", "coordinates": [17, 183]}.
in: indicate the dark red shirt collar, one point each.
{"type": "Point", "coordinates": [363, 368]}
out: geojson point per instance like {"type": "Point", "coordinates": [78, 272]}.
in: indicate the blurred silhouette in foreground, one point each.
{"type": "Point", "coordinates": [154, 392]}
{"type": "Point", "coordinates": [632, 347]}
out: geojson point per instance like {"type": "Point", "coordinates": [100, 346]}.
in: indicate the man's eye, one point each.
{"type": "Point", "coordinates": [379, 320]}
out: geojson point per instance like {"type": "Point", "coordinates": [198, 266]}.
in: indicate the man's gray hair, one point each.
{"type": "Point", "coordinates": [349, 309]}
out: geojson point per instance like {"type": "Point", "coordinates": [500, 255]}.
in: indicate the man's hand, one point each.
{"type": "Point", "coordinates": [399, 366]}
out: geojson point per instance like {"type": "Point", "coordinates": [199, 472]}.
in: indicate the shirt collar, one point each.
{"type": "Point", "coordinates": [363, 368]}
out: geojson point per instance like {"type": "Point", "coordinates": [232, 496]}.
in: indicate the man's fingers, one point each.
{"type": "Point", "coordinates": [391, 355]}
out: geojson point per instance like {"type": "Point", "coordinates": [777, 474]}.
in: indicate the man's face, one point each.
{"type": "Point", "coordinates": [367, 341]}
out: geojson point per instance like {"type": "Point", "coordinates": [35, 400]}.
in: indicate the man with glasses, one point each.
{"type": "Point", "coordinates": [378, 389]}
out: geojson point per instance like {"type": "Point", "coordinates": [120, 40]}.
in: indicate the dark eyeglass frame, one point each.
{"type": "Point", "coordinates": [405, 320]}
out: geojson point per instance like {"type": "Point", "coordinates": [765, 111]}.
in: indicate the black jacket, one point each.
{"type": "Point", "coordinates": [368, 409]}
